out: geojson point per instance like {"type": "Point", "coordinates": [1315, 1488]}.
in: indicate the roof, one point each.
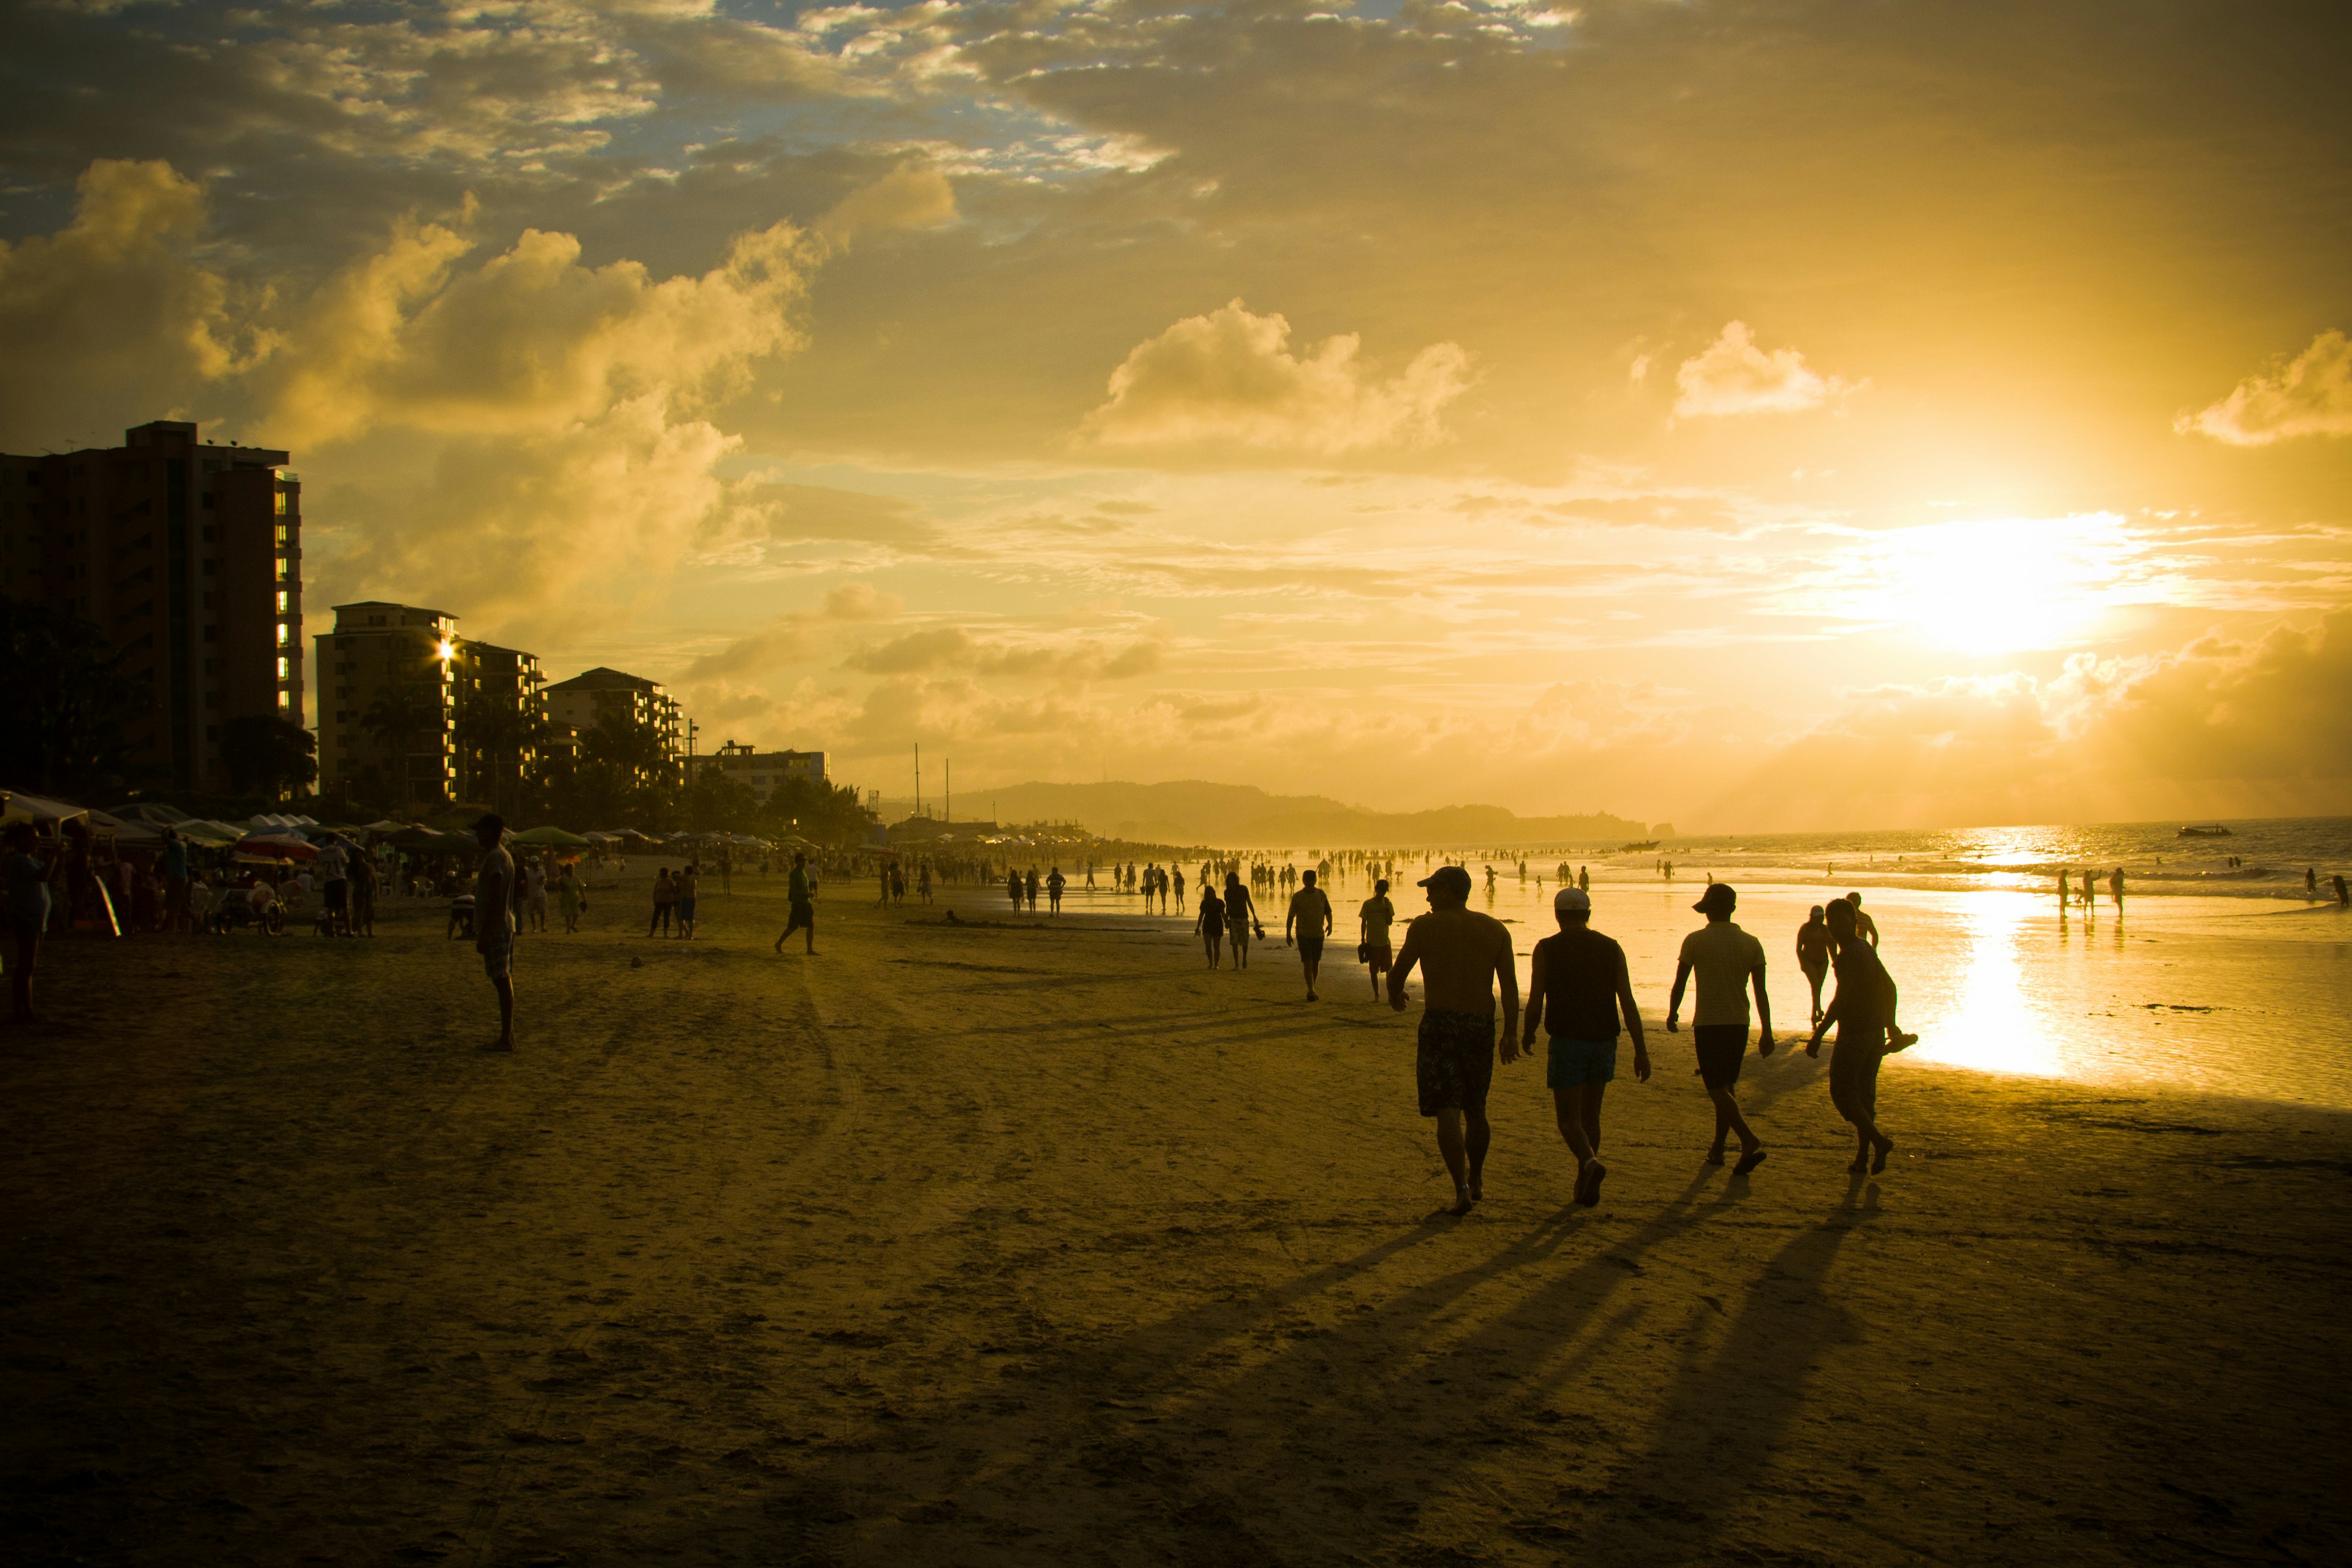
{"type": "Point", "coordinates": [602, 678]}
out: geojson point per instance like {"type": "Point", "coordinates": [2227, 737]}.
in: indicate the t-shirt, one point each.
{"type": "Point", "coordinates": [1581, 967]}
{"type": "Point", "coordinates": [1721, 957]}
{"type": "Point", "coordinates": [1379, 915]}
{"type": "Point", "coordinates": [333, 864]}
{"type": "Point", "coordinates": [176, 858]}
{"type": "Point", "coordinates": [534, 880]}
{"type": "Point", "coordinates": [1312, 911]}
{"type": "Point", "coordinates": [797, 887]}
{"type": "Point", "coordinates": [494, 900]}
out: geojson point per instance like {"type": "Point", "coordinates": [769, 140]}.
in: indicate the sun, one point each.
{"type": "Point", "coordinates": [2002, 586]}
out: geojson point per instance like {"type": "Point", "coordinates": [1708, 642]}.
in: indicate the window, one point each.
{"type": "Point", "coordinates": [284, 634]}
{"type": "Point", "coordinates": [281, 669]}
{"type": "Point", "coordinates": [281, 601]}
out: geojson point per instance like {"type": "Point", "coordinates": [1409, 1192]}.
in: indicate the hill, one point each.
{"type": "Point", "coordinates": [1194, 812]}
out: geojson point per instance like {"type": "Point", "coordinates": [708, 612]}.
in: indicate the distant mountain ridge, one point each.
{"type": "Point", "coordinates": [1195, 811]}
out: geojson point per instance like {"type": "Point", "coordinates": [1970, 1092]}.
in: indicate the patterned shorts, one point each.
{"type": "Point", "coordinates": [498, 962]}
{"type": "Point", "coordinates": [1456, 1062]}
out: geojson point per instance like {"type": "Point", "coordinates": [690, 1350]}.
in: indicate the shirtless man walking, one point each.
{"type": "Point", "coordinates": [1308, 922]}
{"type": "Point", "coordinates": [1462, 955]}
{"type": "Point", "coordinates": [1378, 914]}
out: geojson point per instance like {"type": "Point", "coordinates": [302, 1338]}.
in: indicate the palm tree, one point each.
{"type": "Point", "coordinates": [402, 715]}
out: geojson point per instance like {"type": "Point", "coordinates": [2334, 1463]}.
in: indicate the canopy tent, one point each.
{"type": "Point", "coordinates": [277, 846]}
{"type": "Point", "coordinates": [551, 836]}
{"type": "Point", "coordinates": [153, 813]}
{"type": "Point", "coordinates": [40, 811]}
{"type": "Point", "coordinates": [387, 825]}
{"type": "Point", "coordinates": [603, 837]}
{"type": "Point", "coordinates": [197, 830]}
{"type": "Point", "coordinates": [268, 822]}
{"type": "Point", "coordinates": [131, 835]}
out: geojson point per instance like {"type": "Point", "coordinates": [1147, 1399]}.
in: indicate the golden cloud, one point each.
{"type": "Point", "coordinates": [1230, 378]}
{"type": "Point", "coordinates": [2310, 395]}
{"type": "Point", "coordinates": [1732, 376]}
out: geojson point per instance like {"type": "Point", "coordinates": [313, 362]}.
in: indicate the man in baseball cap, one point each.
{"type": "Point", "coordinates": [1462, 954]}
{"type": "Point", "coordinates": [1577, 988]}
{"type": "Point", "coordinates": [1727, 961]}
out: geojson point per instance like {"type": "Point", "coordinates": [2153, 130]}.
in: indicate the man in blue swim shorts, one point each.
{"type": "Point", "coordinates": [1577, 988]}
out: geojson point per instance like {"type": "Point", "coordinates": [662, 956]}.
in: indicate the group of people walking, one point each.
{"type": "Point", "coordinates": [1580, 994]}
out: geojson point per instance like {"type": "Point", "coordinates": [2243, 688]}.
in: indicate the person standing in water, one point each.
{"type": "Point", "coordinates": [1377, 915]}
{"type": "Point", "coordinates": [1577, 990]}
{"type": "Point", "coordinates": [1727, 961]}
{"type": "Point", "coordinates": [1308, 923]}
{"type": "Point", "coordinates": [801, 891]}
{"type": "Point", "coordinates": [1055, 883]}
{"type": "Point", "coordinates": [1813, 954]}
{"type": "Point", "coordinates": [1860, 1010]}
{"type": "Point", "coordinates": [1462, 954]}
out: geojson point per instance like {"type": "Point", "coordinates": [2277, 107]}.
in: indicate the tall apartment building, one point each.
{"type": "Point", "coordinates": [403, 657]}
{"type": "Point", "coordinates": [471, 710]}
{"type": "Point", "coordinates": [188, 557]}
{"type": "Point", "coordinates": [761, 770]}
{"type": "Point", "coordinates": [587, 699]}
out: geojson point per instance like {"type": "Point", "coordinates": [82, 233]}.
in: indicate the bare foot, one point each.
{"type": "Point", "coordinates": [1715, 1156]}
{"type": "Point", "coordinates": [1477, 1189]}
{"type": "Point", "coordinates": [1859, 1166]}
{"type": "Point", "coordinates": [1878, 1161]}
{"type": "Point", "coordinates": [1463, 1202]}
{"type": "Point", "coordinates": [1749, 1162]}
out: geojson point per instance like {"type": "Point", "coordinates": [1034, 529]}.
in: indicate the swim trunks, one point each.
{"type": "Point", "coordinates": [1854, 1075]}
{"type": "Point", "coordinates": [1310, 949]}
{"type": "Point", "coordinates": [1455, 1063]}
{"type": "Point", "coordinates": [1376, 953]}
{"type": "Point", "coordinates": [498, 962]}
{"type": "Point", "coordinates": [1722, 1048]}
{"type": "Point", "coordinates": [686, 909]}
{"type": "Point", "coordinates": [1572, 1063]}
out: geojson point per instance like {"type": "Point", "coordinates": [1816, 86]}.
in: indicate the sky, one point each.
{"type": "Point", "coordinates": [1751, 416]}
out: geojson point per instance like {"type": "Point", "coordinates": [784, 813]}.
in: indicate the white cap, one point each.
{"type": "Point", "coordinates": [1572, 899]}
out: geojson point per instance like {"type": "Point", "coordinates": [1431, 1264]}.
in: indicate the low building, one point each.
{"type": "Point", "coordinates": [589, 698]}
{"type": "Point", "coordinates": [761, 770]}
{"type": "Point", "coordinates": [187, 556]}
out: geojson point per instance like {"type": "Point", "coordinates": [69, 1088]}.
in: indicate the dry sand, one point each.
{"type": "Point", "coordinates": [1003, 1244]}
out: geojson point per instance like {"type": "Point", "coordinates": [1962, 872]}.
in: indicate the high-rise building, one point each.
{"type": "Point", "coordinates": [412, 713]}
{"type": "Point", "coordinates": [387, 704]}
{"type": "Point", "coordinates": [188, 557]}
{"type": "Point", "coordinates": [761, 770]}
{"type": "Point", "coordinates": [587, 699]}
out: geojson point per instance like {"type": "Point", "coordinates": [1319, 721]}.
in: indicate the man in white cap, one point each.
{"type": "Point", "coordinates": [1578, 989]}
{"type": "Point", "coordinates": [1462, 954]}
{"type": "Point", "coordinates": [1727, 960]}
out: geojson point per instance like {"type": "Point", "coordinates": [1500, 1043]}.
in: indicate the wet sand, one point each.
{"type": "Point", "coordinates": [998, 1244]}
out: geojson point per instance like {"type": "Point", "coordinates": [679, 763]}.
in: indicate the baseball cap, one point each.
{"type": "Point", "coordinates": [491, 822]}
{"type": "Point", "coordinates": [1572, 899]}
{"type": "Point", "coordinates": [1718, 896]}
{"type": "Point", "coordinates": [1448, 877]}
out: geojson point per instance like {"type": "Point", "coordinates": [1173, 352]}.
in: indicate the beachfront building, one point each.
{"type": "Point", "coordinates": [577, 706]}
{"type": "Point", "coordinates": [187, 556]}
{"type": "Point", "coordinates": [386, 704]}
{"type": "Point", "coordinates": [761, 770]}
{"type": "Point", "coordinates": [413, 714]}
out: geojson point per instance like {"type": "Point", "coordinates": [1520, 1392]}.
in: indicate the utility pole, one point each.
{"type": "Point", "coordinates": [918, 778]}
{"type": "Point", "coordinates": [950, 789]}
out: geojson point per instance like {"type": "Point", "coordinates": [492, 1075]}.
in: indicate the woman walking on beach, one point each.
{"type": "Point", "coordinates": [1211, 924]}
{"type": "Point", "coordinates": [570, 900]}
{"type": "Point", "coordinates": [1813, 955]}
{"type": "Point", "coordinates": [1860, 1010]}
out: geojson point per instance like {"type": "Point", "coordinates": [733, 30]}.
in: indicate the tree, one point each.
{"type": "Point", "coordinates": [717, 802]}
{"type": "Point", "coordinates": [402, 715]}
{"type": "Point", "coordinates": [817, 810]}
{"type": "Point", "coordinates": [67, 702]}
{"type": "Point", "coordinates": [494, 736]}
{"type": "Point", "coordinates": [263, 752]}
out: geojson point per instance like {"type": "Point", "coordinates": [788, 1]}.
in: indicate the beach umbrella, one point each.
{"type": "Point", "coordinates": [552, 835]}
{"type": "Point", "coordinates": [39, 810]}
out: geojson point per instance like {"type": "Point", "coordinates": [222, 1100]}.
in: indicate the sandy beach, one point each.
{"type": "Point", "coordinates": [1015, 1242]}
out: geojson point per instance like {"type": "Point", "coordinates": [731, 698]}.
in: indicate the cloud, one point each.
{"type": "Point", "coordinates": [1230, 378]}
{"type": "Point", "coordinates": [1733, 376]}
{"type": "Point", "coordinates": [952, 648]}
{"type": "Point", "coordinates": [2310, 395]}
{"type": "Point", "coordinates": [802, 513]}
{"type": "Point", "coordinates": [909, 196]}
{"type": "Point", "coordinates": [2213, 727]}
{"type": "Point", "coordinates": [796, 637]}
{"type": "Point", "coordinates": [117, 301]}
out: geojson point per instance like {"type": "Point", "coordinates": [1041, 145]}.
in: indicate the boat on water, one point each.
{"type": "Point", "coordinates": [1629, 848]}
{"type": "Point", "coordinates": [2208, 830]}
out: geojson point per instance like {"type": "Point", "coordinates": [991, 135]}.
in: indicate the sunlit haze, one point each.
{"type": "Point", "coordinates": [1750, 417]}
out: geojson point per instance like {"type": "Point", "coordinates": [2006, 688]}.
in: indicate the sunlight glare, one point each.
{"type": "Point", "coordinates": [2001, 584]}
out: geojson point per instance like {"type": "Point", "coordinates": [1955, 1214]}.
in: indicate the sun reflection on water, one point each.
{"type": "Point", "coordinates": [1985, 1022]}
